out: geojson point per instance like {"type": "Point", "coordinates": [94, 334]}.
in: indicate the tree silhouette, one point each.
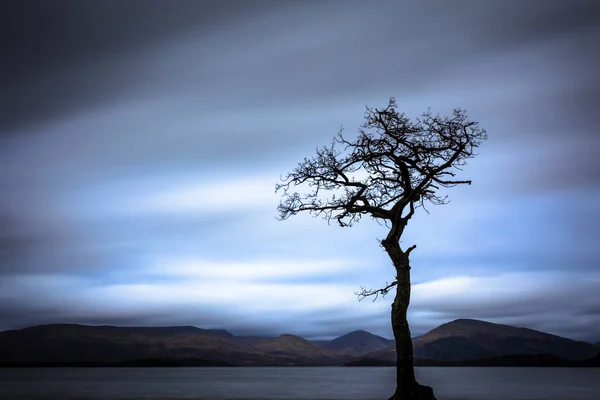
{"type": "Point", "coordinates": [392, 168]}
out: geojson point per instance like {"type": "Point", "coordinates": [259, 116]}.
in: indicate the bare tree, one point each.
{"type": "Point", "coordinates": [393, 167]}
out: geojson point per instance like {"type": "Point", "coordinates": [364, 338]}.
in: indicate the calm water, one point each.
{"type": "Point", "coordinates": [306, 383]}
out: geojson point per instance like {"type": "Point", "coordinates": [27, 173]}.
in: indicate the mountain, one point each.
{"type": "Point", "coordinates": [295, 349]}
{"type": "Point", "coordinates": [479, 339]}
{"type": "Point", "coordinates": [69, 343]}
{"type": "Point", "coordinates": [357, 343]}
{"type": "Point", "coordinates": [460, 342]}
{"type": "Point", "coordinates": [468, 339]}
{"type": "Point", "coordinates": [592, 362]}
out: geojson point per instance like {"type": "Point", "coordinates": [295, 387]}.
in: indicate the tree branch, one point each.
{"type": "Point", "coordinates": [364, 293]}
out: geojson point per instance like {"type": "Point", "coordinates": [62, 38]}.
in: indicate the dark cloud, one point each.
{"type": "Point", "coordinates": [18, 315]}
{"type": "Point", "coordinates": [46, 46]}
{"type": "Point", "coordinates": [102, 246]}
{"type": "Point", "coordinates": [21, 242]}
{"type": "Point", "coordinates": [68, 56]}
{"type": "Point", "coordinates": [48, 35]}
{"type": "Point", "coordinates": [13, 242]}
{"type": "Point", "coordinates": [513, 23]}
{"type": "Point", "coordinates": [568, 163]}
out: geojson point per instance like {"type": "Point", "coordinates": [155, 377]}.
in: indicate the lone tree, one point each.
{"type": "Point", "coordinates": [393, 167]}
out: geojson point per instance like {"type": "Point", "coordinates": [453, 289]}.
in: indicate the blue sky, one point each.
{"type": "Point", "coordinates": [140, 143]}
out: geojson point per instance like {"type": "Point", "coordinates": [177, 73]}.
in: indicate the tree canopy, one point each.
{"type": "Point", "coordinates": [393, 164]}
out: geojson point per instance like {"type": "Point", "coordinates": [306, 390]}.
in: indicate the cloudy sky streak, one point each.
{"type": "Point", "coordinates": [140, 143]}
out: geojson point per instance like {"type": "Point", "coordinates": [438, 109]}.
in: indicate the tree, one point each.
{"type": "Point", "coordinates": [393, 167]}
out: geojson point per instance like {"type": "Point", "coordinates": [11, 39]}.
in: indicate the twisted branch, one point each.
{"type": "Point", "coordinates": [364, 293]}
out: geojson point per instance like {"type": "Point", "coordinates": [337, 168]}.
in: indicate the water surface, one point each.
{"type": "Point", "coordinates": [294, 383]}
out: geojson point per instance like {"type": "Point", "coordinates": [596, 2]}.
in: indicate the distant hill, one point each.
{"type": "Point", "coordinates": [467, 339]}
{"type": "Point", "coordinates": [295, 350]}
{"type": "Point", "coordinates": [460, 342]}
{"type": "Point", "coordinates": [81, 345]}
{"type": "Point", "coordinates": [592, 362]}
{"type": "Point", "coordinates": [69, 343]}
{"type": "Point", "coordinates": [357, 343]}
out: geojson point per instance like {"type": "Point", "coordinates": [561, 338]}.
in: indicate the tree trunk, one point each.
{"type": "Point", "coordinates": [407, 387]}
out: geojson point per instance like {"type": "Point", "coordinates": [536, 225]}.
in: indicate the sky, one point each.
{"type": "Point", "coordinates": [141, 141]}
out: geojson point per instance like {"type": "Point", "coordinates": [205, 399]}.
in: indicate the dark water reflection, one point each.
{"type": "Point", "coordinates": [297, 383]}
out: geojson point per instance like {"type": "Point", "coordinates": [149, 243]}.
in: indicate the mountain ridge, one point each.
{"type": "Point", "coordinates": [357, 343]}
{"type": "Point", "coordinates": [453, 342]}
{"type": "Point", "coordinates": [467, 339]}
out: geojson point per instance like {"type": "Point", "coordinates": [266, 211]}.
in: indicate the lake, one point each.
{"type": "Point", "coordinates": [298, 383]}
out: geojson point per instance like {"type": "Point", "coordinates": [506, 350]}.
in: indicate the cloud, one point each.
{"type": "Point", "coordinates": [257, 270]}
{"type": "Point", "coordinates": [522, 299]}
{"type": "Point", "coordinates": [182, 48]}
{"type": "Point", "coordinates": [223, 196]}
{"type": "Point", "coordinates": [93, 40]}
{"type": "Point", "coordinates": [226, 302]}
{"type": "Point", "coordinates": [516, 298]}
{"type": "Point", "coordinates": [164, 146]}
